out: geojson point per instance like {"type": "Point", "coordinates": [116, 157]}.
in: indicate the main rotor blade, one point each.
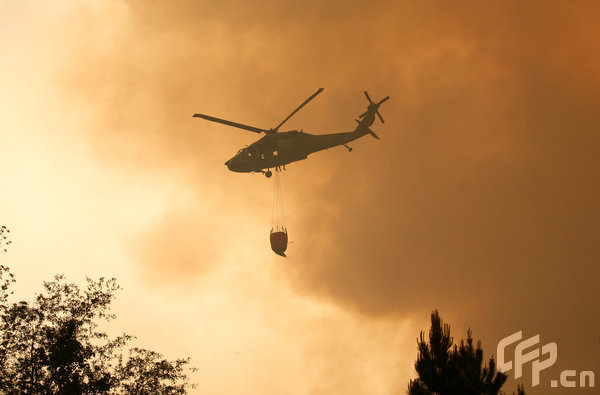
{"type": "Point", "coordinates": [299, 107]}
{"type": "Point", "coordinates": [229, 123]}
{"type": "Point", "coordinates": [380, 117]}
{"type": "Point", "coordinates": [384, 99]}
{"type": "Point", "coordinates": [368, 98]}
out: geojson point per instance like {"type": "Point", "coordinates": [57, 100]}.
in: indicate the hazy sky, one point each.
{"type": "Point", "coordinates": [480, 199]}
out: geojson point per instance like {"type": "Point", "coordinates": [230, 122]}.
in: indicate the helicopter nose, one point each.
{"type": "Point", "coordinates": [235, 165]}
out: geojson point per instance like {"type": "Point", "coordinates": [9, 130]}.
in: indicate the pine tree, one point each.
{"type": "Point", "coordinates": [447, 369]}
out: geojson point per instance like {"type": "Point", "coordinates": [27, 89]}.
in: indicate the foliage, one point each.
{"type": "Point", "coordinates": [53, 345]}
{"type": "Point", "coordinates": [145, 372]}
{"type": "Point", "coordinates": [444, 369]}
{"type": "Point", "coordinates": [4, 241]}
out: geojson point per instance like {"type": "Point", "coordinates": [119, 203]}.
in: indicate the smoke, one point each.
{"type": "Point", "coordinates": [480, 198]}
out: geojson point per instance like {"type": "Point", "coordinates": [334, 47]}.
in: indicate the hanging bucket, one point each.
{"type": "Point", "coordinates": [279, 236]}
{"type": "Point", "coordinates": [279, 241]}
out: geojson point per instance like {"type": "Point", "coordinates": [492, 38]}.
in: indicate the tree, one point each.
{"type": "Point", "coordinates": [447, 370]}
{"type": "Point", "coordinates": [53, 345]}
{"type": "Point", "coordinates": [4, 238]}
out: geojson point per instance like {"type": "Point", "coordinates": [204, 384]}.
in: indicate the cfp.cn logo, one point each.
{"type": "Point", "coordinates": [541, 358]}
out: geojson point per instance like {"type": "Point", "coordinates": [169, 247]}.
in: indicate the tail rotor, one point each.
{"type": "Point", "coordinates": [373, 107]}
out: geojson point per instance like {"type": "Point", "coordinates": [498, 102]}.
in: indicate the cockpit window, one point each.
{"type": "Point", "coordinates": [243, 152]}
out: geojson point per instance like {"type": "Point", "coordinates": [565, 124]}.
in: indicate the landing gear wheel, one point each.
{"type": "Point", "coordinates": [350, 149]}
{"type": "Point", "coordinates": [268, 173]}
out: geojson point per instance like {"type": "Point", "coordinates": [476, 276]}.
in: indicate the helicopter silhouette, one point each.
{"type": "Point", "coordinates": [277, 149]}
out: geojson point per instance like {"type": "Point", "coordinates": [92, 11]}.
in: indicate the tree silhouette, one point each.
{"type": "Point", "coordinates": [53, 345]}
{"type": "Point", "coordinates": [4, 241]}
{"type": "Point", "coordinates": [447, 370]}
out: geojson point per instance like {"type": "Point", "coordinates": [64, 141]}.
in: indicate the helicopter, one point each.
{"type": "Point", "coordinates": [277, 149]}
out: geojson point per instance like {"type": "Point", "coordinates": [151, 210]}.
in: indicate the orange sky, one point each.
{"type": "Point", "coordinates": [480, 199]}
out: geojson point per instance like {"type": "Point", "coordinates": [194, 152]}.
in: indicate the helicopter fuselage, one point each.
{"type": "Point", "coordinates": [279, 149]}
